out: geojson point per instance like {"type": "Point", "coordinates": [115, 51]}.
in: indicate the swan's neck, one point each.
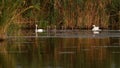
{"type": "Point", "coordinates": [94, 26]}
{"type": "Point", "coordinates": [36, 28]}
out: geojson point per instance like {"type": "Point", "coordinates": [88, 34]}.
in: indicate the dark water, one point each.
{"type": "Point", "coordinates": [61, 49]}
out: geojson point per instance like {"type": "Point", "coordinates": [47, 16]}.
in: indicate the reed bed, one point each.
{"type": "Point", "coordinates": [60, 13]}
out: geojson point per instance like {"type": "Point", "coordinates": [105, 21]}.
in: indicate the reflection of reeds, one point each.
{"type": "Point", "coordinates": [7, 59]}
{"type": "Point", "coordinates": [59, 51]}
{"type": "Point", "coordinates": [80, 50]}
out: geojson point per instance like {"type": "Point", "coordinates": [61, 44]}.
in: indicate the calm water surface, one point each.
{"type": "Point", "coordinates": [61, 49]}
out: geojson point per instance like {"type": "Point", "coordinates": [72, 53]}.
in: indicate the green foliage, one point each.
{"type": "Point", "coordinates": [8, 10]}
{"type": "Point", "coordinates": [13, 28]}
{"type": "Point", "coordinates": [43, 24]}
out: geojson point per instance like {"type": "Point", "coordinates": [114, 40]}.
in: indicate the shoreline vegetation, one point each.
{"type": "Point", "coordinates": [69, 14]}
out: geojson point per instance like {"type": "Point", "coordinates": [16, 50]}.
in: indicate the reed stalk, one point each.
{"type": "Point", "coordinates": [67, 13]}
{"type": "Point", "coordinates": [10, 10]}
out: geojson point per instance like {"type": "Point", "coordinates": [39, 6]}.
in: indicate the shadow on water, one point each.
{"type": "Point", "coordinates": [61, 49]}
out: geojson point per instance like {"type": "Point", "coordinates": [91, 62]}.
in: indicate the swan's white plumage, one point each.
{"type": "Point", "coordinates": [95, 28]}
{"type": "Point", "coordinates": [38, 30]}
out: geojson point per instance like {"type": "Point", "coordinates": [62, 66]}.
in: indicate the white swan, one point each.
{"type": "Point", "coordinates": [38, 30]}
{"type": "Point", "coordinates": [95, 28]}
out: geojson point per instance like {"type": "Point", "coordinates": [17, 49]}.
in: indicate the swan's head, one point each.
{"type": "Point", "coordinates": [36, 25]}
{"type": "Point", "coordinates": [93, 25]}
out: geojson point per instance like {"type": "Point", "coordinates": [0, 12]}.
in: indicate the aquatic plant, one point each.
{"type": "Point", "coordinates": [67, 13]}
{"type": "Point", "coordinates": [9, 11]}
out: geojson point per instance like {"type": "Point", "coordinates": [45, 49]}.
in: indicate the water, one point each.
{"type": "Point", "coordinates": [61, 49]}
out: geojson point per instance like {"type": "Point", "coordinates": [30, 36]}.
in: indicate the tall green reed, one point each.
{"type": "Point", "coordinates": [10, 10]}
